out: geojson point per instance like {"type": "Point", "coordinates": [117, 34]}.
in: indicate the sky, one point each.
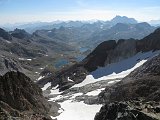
{"type": "Point", "coordinates": [19, 11]}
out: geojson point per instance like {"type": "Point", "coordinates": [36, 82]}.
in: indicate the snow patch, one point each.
{"type": "Point", "coordinates": [40, 77]}
{"type": "Point", "coordinates": [70, 80]}
{"type": "Point", "coordinates": [53, 117]}
{"type": "Point", "coordinates": [46, 86]}
{"type": "Point", "coordinates": [41, 68]}
{"type": "Point", "coordinates": [55, 90]}
{"type": "Point", "coordinates": [76, 94]}
{"type": "Point", "coordinates": [56, 98]}
{"type": "Point", "coordinates": [8, 42]}
{"type": "Point", "coordinates": [89, 79]}
{"type": "Point", "coordinates": [95, 92]}
{"type": "Point", "coordinates": [113, 81]}
{"type": "Point", "coordinates": [25, 59]}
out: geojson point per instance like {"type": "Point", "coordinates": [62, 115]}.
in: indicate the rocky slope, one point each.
{"type": "Point", "coordinates": [30, 53]}
{"type": "Point", "coordinates": [128, 111]}
{"type": "Point", "coordinates": [141, 92]}
{"type": "Point", "coordinates": [21, 99]}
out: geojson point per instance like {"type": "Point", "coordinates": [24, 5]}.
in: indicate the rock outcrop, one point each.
{"type": "Point", "coordinates": [22, 99]}
{"type": "Point", "coordinates": [125, 111]}
{"type": "Point", "coordinates": [20, 34]}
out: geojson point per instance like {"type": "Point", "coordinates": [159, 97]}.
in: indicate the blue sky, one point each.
{"type": "Point", "coordinates": [15, 11]}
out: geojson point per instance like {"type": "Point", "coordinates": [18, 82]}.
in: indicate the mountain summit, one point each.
{"type": "Point", "coordinates": [123, 19]}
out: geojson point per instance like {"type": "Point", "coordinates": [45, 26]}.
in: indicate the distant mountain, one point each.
{"type": "Point", "coordinates": [155, 22]}
{"type": "Point", "coordinates": [123, 19]}
{"type": "Point", "coordinates": [89, 35]}
{"type": "Point", "coordinates": [32, 27]}
{"type": "Point", "coordinates": [121, 31]}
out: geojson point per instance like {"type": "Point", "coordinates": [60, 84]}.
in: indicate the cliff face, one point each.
{"type": "Point", "coordinates": [150, 42]}
{"type": "Point", "coordinates": [112, 51]}
{"type": "Point", "coordinates": [20, 97]}
{"type": "Point", "coordinates": [99, 55]}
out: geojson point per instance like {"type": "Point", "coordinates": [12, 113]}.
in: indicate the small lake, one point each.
{"type": "Point", "coordinates": [83, 49]}
{"type": "Point", "coordinates": [61, 63]}
{"type": "Point", "coordinates": [80, 58]}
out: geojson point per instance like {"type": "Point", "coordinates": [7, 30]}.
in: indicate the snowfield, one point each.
{"type": "Point", "coordinates": [117, 70]}
{"type": "Point", "coordinates": [40, 77]}
{"type": "Point", "coordinates": [78, 111]}
{"type": "Point", "coordinates": [46, 86]}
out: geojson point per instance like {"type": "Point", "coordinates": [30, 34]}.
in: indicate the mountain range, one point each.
{"type": "Point", "coordinates": [80, 70]}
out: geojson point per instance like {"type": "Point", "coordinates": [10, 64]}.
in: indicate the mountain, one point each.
{"type": "Point", "coordinates": [89, 35]}
{"type": "Point", "coordinates": [21, 99]}
{"type": "Point", "coordinates": [123, 19]}
{"type": "Point", "coordinates": [106, 53]}
{"type": "Point", "coordinates": [20, 34]}
{"type": "Point", "coordinates": [122, 31]}
{"type": "Point", "coordinates": [154, 22]}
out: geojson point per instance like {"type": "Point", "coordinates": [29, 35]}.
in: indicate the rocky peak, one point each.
{"type": "Point", "coordinates": [5, 35]}
{"type": "Point", "coordinates": [20, 33]}
{"type": "Point", "coordinates": [18, 94]}
{"type": "Point", "coordinates": [123, 19]}
{"type": "Point", "coordinates": [150, 42]}
{"type": "Point", "coordinates": [99, 55]}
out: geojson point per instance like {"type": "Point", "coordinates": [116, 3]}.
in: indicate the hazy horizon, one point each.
{"type": "Point", "coordinates": [25, 11]}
